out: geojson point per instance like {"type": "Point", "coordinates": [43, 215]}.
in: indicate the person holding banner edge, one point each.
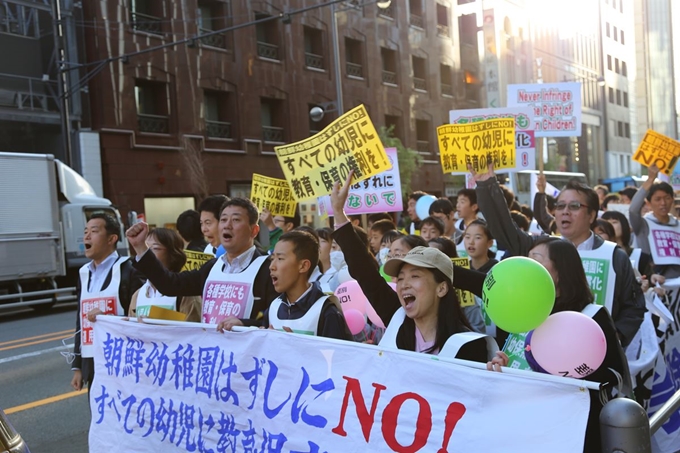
{"type": "Point", "coordinates": [242, 269]}
{"type": "Point", "coordinates": [426, 282]}
{"type": "Point", "coordinates": [576, 211]}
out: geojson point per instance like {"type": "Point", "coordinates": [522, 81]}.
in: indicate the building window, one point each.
{"type": "Point", "coordinates": [618, 97]}
{"type": "Point", "coordinates": [617, 69]}
{"type": "Point", "coordinates": [152, 107]}
{"type": "Point", "coordinates": [446, 75]}
{"type": "Point", "coordinates": [419, 73]}
{"type": "Point", "coordinates": [624, 69]}
{"type": "Point", "coordinates": [625, 99]}
{"type": "Point", "coordinates": [394, 122]}
{"type": "Point", "coordinates": [267, 38]}
{"type": "Point", "coordinates": [354, 58]}
{"type": "Point", "coordinates": [611, 95]}
{"type": "Point", "coordinates": [423, 136]}
{"type": "Point", "coordinates": [608, 32]}
{"type": "Point", "coordinates": [442, 20]}
{"type": "Point", "coordinates": [416, 13]}
{"type": "Point", "coordinates": [313, 48]}
{"type": "Point", "coordinates": [627, 127]}
{"type": "Point", "coordinates": [623, 41]}
{"type": "Point", "coordinates": [213, 15]}
{"type": "Point", "coordinates": [609, 62]}
{"type": "Point", "coordinates": [614, 4]}
{"type": "Point", "coordinates": [272, 120]}
{"type": "Point", "coordinates": [619, 128]}
{"type": "Point", "coordinates": [389, 66]}
{"type": "Point", "coordinates": [145, 15]}
{"type": "Point", "coordinates": [217, 124]}
{"type": "Point", "coordinates": [19, 20]}
{"type": "Point", "coordinates": [616, 34]}
{"type": "Point", "coordinates": [390, 11]}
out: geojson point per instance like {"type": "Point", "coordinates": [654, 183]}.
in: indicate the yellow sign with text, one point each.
{"type": "Point", "coordinates": [272, 194]}
{"type": "Point", "coordinates": [658, 149]}
{"type": "Point", "coordinates": [466, 298]}
{"type": "Point", "coordinates": [195, 260]}
{"type": "Point", "coordinates": [477, 144]}
{"type": "Point", "coordinates": [313, 165]}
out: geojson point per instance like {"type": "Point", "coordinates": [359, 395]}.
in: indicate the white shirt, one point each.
{"type": "Point", "coordinates": [98, 273]}
{"type": "Point", "coordinates": [238, 264]}
{"type": "Point", "coordinates": [585, 245]}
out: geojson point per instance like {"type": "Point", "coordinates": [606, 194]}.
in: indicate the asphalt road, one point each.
{"type": "Point", "coordinates": [35, 378]}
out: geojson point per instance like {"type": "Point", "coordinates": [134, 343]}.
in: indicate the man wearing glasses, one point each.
{"type": "Point", "coordinates": [607, 267]}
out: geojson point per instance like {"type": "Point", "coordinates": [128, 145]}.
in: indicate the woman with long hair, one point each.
{"type": "Point", "coordinates": [622, 236]}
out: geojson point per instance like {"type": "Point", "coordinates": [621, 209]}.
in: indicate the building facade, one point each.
{"type": "Point", "coordinates": [189, 119]}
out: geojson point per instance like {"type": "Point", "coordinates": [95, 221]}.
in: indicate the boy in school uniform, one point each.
{"type": "Point", "coordinates": [302, 306]}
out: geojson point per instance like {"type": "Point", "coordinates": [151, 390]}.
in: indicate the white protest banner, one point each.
{"type": "Point", "coordinates": [556, 106]}
{"type": "Point", "coordinates": [175, 389]}
{"type": "Point", "coordinates": [379, 193]}
{"type": "Point", "coordinates": [525, 143]}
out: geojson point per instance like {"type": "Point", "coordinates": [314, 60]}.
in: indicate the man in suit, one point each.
{"type": "Point", "coordinates": [105, 285]}
{"type": "Point", "coordinates": [235, 284]}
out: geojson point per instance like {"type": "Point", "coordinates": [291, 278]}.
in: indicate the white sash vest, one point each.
{"type": "Point", "coordinates": [144, 302]}
{"type": "Point", "coordinates": [307, 325]}
{"type": "Point", "coordinates": [598, 265]}
{"type": "Point", "coordinates": [106, 300]}
{"type": "Point", "coordinates": [227, 295]}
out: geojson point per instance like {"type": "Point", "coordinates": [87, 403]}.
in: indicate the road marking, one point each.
{"type": "Point", "coordinates": [52, 399]}
{"type": "Point", "coordinates": [34, 353]}
{"type": "Point", "coordinates": [35, 342]}
{"type": "Point", "coordinates": [36, 337]}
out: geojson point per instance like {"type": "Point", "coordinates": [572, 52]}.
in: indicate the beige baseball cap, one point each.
{"type": "Point", "coordinates": [428, 257]}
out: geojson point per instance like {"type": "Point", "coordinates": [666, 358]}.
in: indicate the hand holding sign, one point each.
{"type": "Point", "coordinates": [652, 172]}
{"type": "Point", "coordinates": [476, 177]}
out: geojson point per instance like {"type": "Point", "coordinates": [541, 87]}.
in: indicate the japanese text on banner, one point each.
{"type": "Point", "coordinates": [172, 389]}
{"type": "Point", "coordinates": [313, 165]}
{"type": "Point", "coordinates": [477, 144]}
{"type": "Point", "coordinates": [195, 260]}
{"type": "Point", "coordinates": [658, 149]}
{"type": "Point", "coordinates": [272, 194]}
{"type": "Point", "coordinates": [466, 298]}
{"type": "Point", "coordinates": [379, 193]}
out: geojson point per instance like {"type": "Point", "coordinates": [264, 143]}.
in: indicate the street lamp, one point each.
{"type": "Point", "coordinates": [317, 113]}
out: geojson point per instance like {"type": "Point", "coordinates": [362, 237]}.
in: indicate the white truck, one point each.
{"type": "Point", "coordinates": [44, 207]}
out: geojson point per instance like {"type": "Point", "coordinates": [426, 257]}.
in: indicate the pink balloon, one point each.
{"type": "Point", "coordinates": [373, 316]}
{"type": "Point", "coordinates": [355, 320]}
{"type": "Point", "coordinates": [393, 286]}
{"type": "Point", "coordinates": [569, 343]}
{"type": "Point", "coordinates": [350, 296]}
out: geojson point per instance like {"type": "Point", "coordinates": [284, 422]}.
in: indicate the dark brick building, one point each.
{"type": "Point", "coordinates": [226, 100]}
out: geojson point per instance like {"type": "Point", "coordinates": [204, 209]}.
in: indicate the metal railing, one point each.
{"type": "Point", "coordinates": [146, 23]}
{"type": "Point", "coordinates": [212, 40]}
{"type": "Point", "coordinates": [387, 12]}
{"type": "Point", "coordinates": [313, 60]}
{"type": "Point", "coordinates": [419, 84]}
{"type": "Point", "coordinates": [158, 124]}
{"type": "Point", "coordinates": [389, 77]}
{"type": "Point", "coordinates": [447, 89]}
{"type": "Point", "coordinates": [266, 50]}
{"type": "Point", "coordinates": [415, 20]}
{"type": "Point", "coordinates": [272, 134]}
{"type": "Point", "coordinates": [27, 93]}
{"type": "Point", "coordinates": [218, 129]}
{"type": "Point", "coordinates": [355, 70]}
{"type": "Point", "coordinates": [423, 146]}
{"type": "Point", "coordinates": [443, 30]}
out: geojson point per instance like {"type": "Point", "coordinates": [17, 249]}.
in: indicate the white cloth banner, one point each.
{"type": "Point", "coordinates": [173, 389]}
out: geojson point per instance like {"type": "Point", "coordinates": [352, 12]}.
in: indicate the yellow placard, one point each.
{"type": "Point", "coordinates": [313, 165]}
{"type": "Point", "coordinates": [156, 312]}
{"type": "Point", "coordinates": [658, 149]}
{"type": "Point", "coordinates": [476, 144]}
{"type": "Point", "coordinates": [195, 260]}
{"type": "Point", "coordinates": [272, 194]}
{"type": "Point", "coordinates": [466, 298]}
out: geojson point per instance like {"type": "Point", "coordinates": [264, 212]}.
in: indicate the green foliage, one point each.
{"type": "Point", "coordinates": [409, 159]}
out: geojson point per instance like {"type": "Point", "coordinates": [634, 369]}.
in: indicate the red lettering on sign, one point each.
{"type": "Point", "coordinates": [453, 414]}
{"type": "Point", "coordinates": [366, 418]}
{"type": "Point", "coordinates": [423, 423]}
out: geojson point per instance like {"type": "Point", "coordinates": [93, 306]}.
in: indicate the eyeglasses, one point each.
{"type": "Point", "coordinates": [572, 206]}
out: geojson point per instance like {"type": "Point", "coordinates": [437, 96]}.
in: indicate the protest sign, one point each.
{"type": "Point", "coordinates": [556, 106]}
{"type": "Point", "coordinates": [379, 193]}
{"type": "Point", "coordinates": [549, 188]}
{"type": "Point", "coordinates": [273, 194]}
{"type": "Point", "coordinates": [658, 149]}
{"type": "Point", "coordinates": [195, 260]}
{"type": "Point", "coordinates": [466, 298]}
{"type": "Point", "coordinates": [525, 142]}
{"type": "Point", "coordinates": [312, 165]}
{"type": "Point", "coordinates": [476, 144]}
{"type": "Point", "coordinates": [171, 389]}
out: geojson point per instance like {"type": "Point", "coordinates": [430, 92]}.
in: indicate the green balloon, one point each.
{"type": "Point", "coordinates": [384, 275]}
{"type": "Point", "coordinates": [518, 294]}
